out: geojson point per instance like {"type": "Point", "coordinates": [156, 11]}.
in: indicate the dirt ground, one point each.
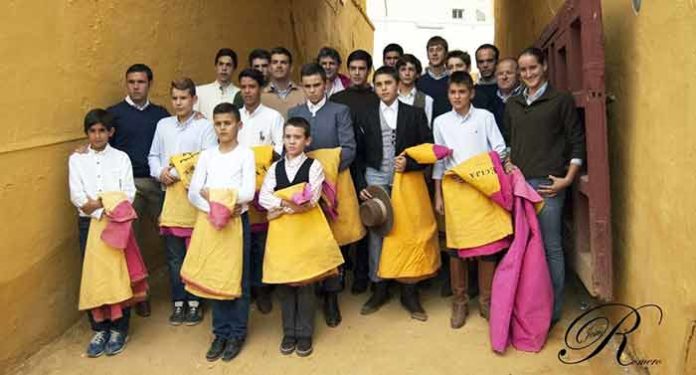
{"type": "Point", "coordinates": [387, 342]}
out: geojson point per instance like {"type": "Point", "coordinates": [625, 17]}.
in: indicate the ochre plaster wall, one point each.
{"type": "Point", "coordinates": [61, 58]}
{"type": "Point", "coordinates": [649, 70]}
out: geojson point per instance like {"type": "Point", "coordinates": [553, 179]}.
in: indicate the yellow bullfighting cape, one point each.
{"type": "Point", "coordinates": [263, 156]}
{"type": "Point", "coordinates": [177, 211]}
{"type": "Point", "coordinates": [410, 251]}
{"type": "Point", "coordinates": [300, 247]}
{"type": "Point", "coordinates": [339, 199]}
{"type": "Point", "coordinates": [214, 260]}
{"type": "Point", "coordinates": [113, 272]}
{"type": "Point", "coordinates": [472, 218]}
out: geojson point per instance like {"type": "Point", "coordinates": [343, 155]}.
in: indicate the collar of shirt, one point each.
{"type": "Point", "coordinates": [463, 118]}
{"type": "Point", "coordinates": [389, 112]}
{"type": "Point", "coordinates": [314, 108]}
{"type": "Point", "coordinates": [97, 152]}
{"type": "Point", "coordinates": [138, 107]}
{"type": "Point", "coordinates": [224, 89]}
{"type": "Point", "coordinates": [296, 161]}
{"type": "Point", "coordinates": [188, 121]}
{"type": "Point", "coordinates": [410, 96]}
{"type": "Point", "coordinates": [254, 113]}
{"type": "Point", "coordinates": [282, 93]}
{"type": "Point", "coordinates": [532, 98]}
{"type": "Point", "coordinates": [505, 97]}
{"type": "Point", "coordinates": [444, 73]}
{"type": "Point", "coordinates": [487, 81]}
{"type": "Point", "coordinates": [336, 86]}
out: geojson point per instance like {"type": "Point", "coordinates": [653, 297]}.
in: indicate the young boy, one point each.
{"type": "Point", "coordinates": [297, 299]}
{"type": "Point", "coordinates": [386, 130]}
{"type": "Point", "coordinates": [175, 135]}
{"type": "Point", "coordinates": [409, 68]}
{"type": "Point", "coordinates": [227, 166]}
{"type": "Point", "coordinates": [101, 169]}
{"type": "Point", "coordinates": [468, 131]}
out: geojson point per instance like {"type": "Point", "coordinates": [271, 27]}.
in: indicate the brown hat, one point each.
{"type": "Point", "coordinates": [376, 213]}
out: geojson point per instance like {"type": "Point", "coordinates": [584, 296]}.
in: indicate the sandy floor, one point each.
{"type": "Point", "coordinates": [388, 342]}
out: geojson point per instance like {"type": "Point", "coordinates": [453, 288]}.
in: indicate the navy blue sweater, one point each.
{"type": "Point", "coordinates": [134, 132]}
{"type": "Point", "coordinates": [437, 89]}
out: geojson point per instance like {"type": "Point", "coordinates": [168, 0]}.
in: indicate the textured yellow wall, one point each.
{"type": "Point", "coordinates": [652, 141]}
{"type": "Point", "coordinates": [61, 58]}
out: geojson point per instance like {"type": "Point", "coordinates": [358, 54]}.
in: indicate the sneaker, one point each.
{"type": "Point", "coordinates": [116, 343]}
{"type": "Point", "coordinates": [304, 346]}
{"type": "Point", "coordinates": [287, 346]}
{"type": "Point", "coordinates": [232, 349]}
{"type": "Point", "coordinates": [97, 344]}
{"type": "Point", "coordinates": [194, 315]}
{"type": "Point", "coordinates": [216, 349]}
{"type": "Point", "coordinates": [178, 315]}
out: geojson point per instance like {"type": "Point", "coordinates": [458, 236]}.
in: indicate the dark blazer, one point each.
{"type": "Point", "coordinates": [411, 130]}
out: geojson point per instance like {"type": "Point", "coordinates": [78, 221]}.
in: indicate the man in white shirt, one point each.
{"type": "Point", "coordinates": [175, 135]}
{"type": "Point", "coordinates": [410, 68]}
{"type": "Point", "coordinates": [261, 125]}
{"type": "Point", "coordinates": [100, 169]}
{"type": "Point", "coordinates": [467, 131]}
{"type": "Point", "coordinates": [222, 90]}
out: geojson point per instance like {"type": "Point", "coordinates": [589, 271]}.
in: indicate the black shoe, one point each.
{"type": "Point", "coordinates": [263, 300]}
{"type": "Point", "coordinates": [379, 297]}
{"type": "Point", "coordinates": [232, 349]}
{"type": "Point", "coordinates": [332, 313]}
{"type": "Point", "coordinates": [287, 346]}
{"type": "Point", "coordinates": [359, 286]}
{"type": "Point", "coordinates": [304, 346]}
{"type": "Point", "coordinates": [143, 309]}
{"type": "Point", "coordinates": [178, 316]}
{"type": "Point", "coordinates": [216, 349]}
{"type": "Point", "coordinates": [194, 315]}
{"type": "Point", "coordinates": [411, 302]}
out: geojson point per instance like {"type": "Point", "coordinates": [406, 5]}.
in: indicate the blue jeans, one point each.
{"type": "Point", "coordinates": [121, 325]}
{"type": "Point", "coordinates": [374, 245]}
{"type": "Point", "coordinates": [230, 317]}
{"type": "Point", "coordinates": [176, 251]}
{"type": "Point", "coordinates": [551, 223]}
{"type": "Point", "coordinates": [258, 249]}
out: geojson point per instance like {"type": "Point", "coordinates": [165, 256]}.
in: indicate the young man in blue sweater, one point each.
{"type": "Point", "coordinates": [135, 120]}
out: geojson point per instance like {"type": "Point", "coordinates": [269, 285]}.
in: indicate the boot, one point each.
{"type": "Point", "coordinates": [459, 277]}
{"type": "Point", "coordinates": [263, 299]}
{"type": "Point", "coordinates": [379, 297]}
{"type": "Point", "coordinates": [410, 300]}
{"type": "Point", "coordinates": [143, 308]}
{"type": "Point", "coordinates": [486, 270]}
{"type": "Point", "coordinates": [332, 313]}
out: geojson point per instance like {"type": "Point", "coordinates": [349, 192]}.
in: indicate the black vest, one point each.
{"type": "Point", "coordinates": [302, 175]}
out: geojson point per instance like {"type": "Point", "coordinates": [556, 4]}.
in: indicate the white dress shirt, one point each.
{"type": "Point", "coordinates": [316, 178]}
{"type": "Point", "coordinates": [336, 86]}
{"type": "Point", "coordinates": [230, 170]}
{"type": "Point", "coordinates": [264, 126]}
{"type": "Point", "coordinates": [138, 107]}
{"type": "Point", "coordinates": [213, 94]}
{"type": "Point", "coordinates": [390, 113]}
{"type": "Point", "coordinates": [96, 172]}
{"type": "Point", "coordinates": [467, 135]}
{"type": "Point", "coordinates": [410, 98]}
{"type": "Point", "coordinates": [314, 108]}
{"type": "Point", "coordinates": [173, 137]}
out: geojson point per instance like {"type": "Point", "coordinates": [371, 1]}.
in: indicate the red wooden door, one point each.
{"type": "Point", "coordinates": [575, 50]}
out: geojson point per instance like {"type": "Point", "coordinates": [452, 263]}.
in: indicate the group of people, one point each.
{"type": "Point", "coordinates": [274, 187]}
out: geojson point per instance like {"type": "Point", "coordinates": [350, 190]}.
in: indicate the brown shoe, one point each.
{"type": "Point", "coordinates": [459, 314]}
{"type": "Point", "coordinates": [143, 309]}
{"type": "Point", "coordinates": [486, 270]}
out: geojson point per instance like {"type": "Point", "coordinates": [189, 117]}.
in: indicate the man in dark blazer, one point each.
{"type": "Point", "coordinates": [331, 127]}
{"type": "Point", "coordinates": [385, 130]}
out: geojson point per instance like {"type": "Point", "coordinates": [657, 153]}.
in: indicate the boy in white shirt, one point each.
{"type": "Point", "coordinates": [468, 131]}
{"type": "Point", "coordinates": [175, 135]}
{"type": "Point", "coordinates": [100, 169]}
{"type": "Point", "coordinates": [229, 165]}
